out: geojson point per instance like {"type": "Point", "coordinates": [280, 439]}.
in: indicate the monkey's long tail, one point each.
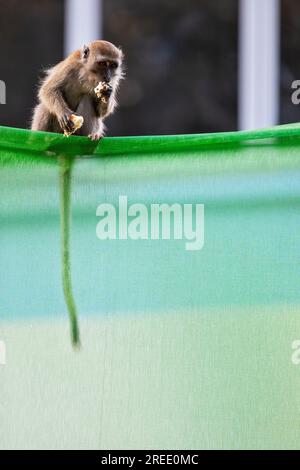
{"type": "Point", "coordinates": [65, 164]}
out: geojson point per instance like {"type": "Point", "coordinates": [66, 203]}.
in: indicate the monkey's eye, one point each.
{"type": "Point", "coordinates": [114, 65]}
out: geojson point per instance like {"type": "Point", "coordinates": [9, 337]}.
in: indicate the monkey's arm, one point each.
{"type": "Point", "coordinates": [105, 109]}
{"type": "Point", "coordinates": [105, 101]}
{"type": "Point", "coordinates": [52, 96]}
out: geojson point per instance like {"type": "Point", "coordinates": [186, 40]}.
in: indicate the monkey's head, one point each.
{"type": "Point", "coordinates": [102, 62]}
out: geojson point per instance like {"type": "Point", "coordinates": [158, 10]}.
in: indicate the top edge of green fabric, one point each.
{"type": "Point", "coordinates": [14, 140]}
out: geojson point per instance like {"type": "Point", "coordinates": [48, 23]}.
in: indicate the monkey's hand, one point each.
{"type": "Point", "coordinates": [70, 123]}
{"type": "Point", "coordinates": [103, 91]}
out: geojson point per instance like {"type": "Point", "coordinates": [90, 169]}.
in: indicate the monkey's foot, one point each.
{"type": "Point", "coordinates": [95, 136]}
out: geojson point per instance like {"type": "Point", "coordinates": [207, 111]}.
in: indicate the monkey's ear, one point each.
{"type": "Point", "coordinates": [85, 51]}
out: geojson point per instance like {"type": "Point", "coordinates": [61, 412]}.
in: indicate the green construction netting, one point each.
{"type": "Point", "coordinates": [180, 349]}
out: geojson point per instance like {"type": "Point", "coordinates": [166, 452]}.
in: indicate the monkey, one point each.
{"type": "Point", "coordinates": [69, 89]}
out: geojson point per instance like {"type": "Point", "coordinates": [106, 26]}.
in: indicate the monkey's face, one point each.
{"type": "Point", "coordinates": [103, 62]}
{"type": "Point", "coordinates": [104, 70]}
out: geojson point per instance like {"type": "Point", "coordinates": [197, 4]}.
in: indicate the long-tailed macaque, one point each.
{"type": "Point", "coordinates": [83, 85]}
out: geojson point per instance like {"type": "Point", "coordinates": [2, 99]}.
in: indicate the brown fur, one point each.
{"type": "Point", "coordinates": [69, 89]}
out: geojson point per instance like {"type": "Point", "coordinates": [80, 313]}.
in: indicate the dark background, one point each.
{"type": "Point", "coordinates": [181, 61]}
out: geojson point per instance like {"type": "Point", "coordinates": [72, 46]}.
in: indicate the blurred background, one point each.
{"type": "Point", "coordinates": [191, 65]}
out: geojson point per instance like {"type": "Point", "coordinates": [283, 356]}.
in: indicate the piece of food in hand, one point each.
{"type": "Point", "coordinates": [77, 122]}
{"type": "Point", "coordinates": [103, 91]}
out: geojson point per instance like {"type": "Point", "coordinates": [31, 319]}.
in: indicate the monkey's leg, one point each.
{"type": "Point", "coordinates": [42, 119]}
{"type": "Point", "coordinates": [97, 130]}
{"type": "Point", "coordinates": [92, 126]}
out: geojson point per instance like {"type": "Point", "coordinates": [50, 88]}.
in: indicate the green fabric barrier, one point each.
{"type": "Point", "coordinates": [179, 349]}
{"type": "Point", "coordinates": [44, 142]}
